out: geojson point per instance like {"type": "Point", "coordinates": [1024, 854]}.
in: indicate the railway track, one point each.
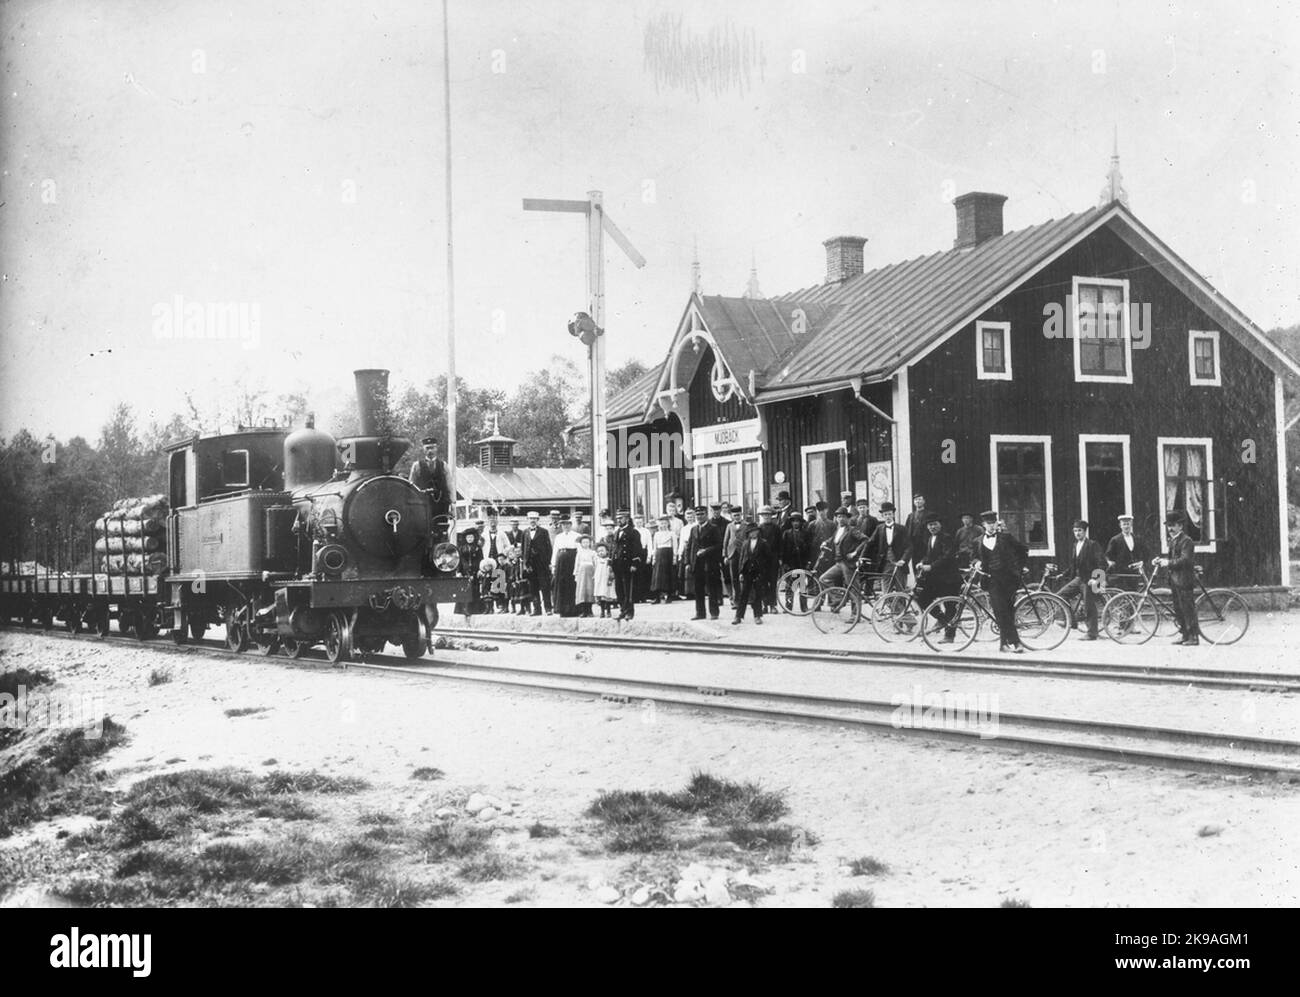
{"type": "Point", "coordinates": [1200, 677]}
{"type": "Point", "coordinates": [1208, 752]}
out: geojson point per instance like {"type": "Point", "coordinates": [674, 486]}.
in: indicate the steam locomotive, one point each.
{"type": "Point", "coordinates": [286, 539]}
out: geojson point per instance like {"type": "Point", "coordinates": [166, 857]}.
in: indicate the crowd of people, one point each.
{"type": "Point", "coordinates": [716, 553]}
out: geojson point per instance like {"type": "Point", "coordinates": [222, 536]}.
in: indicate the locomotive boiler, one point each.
{"type": "Point", "coordinates": [292, 540]}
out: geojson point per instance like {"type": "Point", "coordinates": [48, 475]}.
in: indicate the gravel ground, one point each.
{"type": "Point", "coordinates": [957, 826]}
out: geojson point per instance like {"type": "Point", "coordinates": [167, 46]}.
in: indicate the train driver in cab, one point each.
{"type": "Point", "coordinates": [429, 474]}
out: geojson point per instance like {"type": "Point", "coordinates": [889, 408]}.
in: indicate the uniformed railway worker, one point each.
{"type": "Point", "coordinates": [628, 557]}
{"type": "Point", "coordinates": [429, 474]}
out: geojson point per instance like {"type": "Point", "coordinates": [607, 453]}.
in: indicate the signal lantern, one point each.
{"type": "Point", "coordinates": [583, 326]}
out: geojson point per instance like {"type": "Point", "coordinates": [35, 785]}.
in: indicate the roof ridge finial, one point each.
{"type": "Point", "coordinates": [1114, 189]}
{"type": "Point", "coordinates": [751, 289]}
{"type": "Point", "coordinates": [695, 267]}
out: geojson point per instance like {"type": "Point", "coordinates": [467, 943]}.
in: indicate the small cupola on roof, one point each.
{"type": "Point", "coordinates": [843, 257]}
{"type": "Point", "coordinates": [496, 453]}
{"type": "Point", "coordinates": [979, 218]}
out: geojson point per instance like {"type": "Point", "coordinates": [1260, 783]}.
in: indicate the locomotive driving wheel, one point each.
{"type": "Point", "coordinates": [414, 645]}
{"type": "Point", "coordinates": [236, 629]}
{"type": "Point", "coordinates": [338, 639]}
{"type": "Point", "coordinates": [294, 648]}
{"type": "Point", "coordinates": [266, 643]}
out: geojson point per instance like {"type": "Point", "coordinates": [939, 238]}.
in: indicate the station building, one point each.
{"type": "Point", "coordinates": [1077, 368]}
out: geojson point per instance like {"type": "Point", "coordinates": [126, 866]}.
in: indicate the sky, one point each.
{"type": "Point", "coordinates": [275, 171]}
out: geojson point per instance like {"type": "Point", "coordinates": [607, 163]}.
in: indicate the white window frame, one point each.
{"type": "Point", "coordinates": [709, 465]}
{"type": "Point", "coordinates": [1213, 336]}
{"type": "Point", "coordinates": [992, 375]}
{"type": "Point", "coordinates": [1204, 547]}
{"type": "Point", "coordinates": [1050, 514]}
{"type": "Point", "coordinates": [1126, 333]}
{"type": "Point", "coordinates": [1084, 511]}
{"type": "Point", "coordinates": [645, 472]}
{"type": "Point", "coordinates": [248, 470]}
{"type": "Point", "coordinates": [840, 445]}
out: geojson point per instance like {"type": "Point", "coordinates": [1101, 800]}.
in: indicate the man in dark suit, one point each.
{"type": "Point", "coordinates": [844, 548]}
{"type": "Point", "coordinates": [627, 556]}
{"type": "Point", "coordinates": [515, 534]}
{"type": "Point", "coordinates": [862, 520]}
{"type": "Point", "coordinates": [1083, 557]}
{"type": "Point", "coordinates": [535, 563]}
{"type": "Point", "coordinates": [1181, 563]}
{"type": "Point", "coordinates": [968, 538]}
{"type": "Point", "coordinates": [916, 529]}
{"type": "Point", "coordinates": [706, 551]}
{"type": "Point", "coordinates": [770, 533]}
{"type": "Point", "coordinates": [1125, 554]}
{"type": "Point", "coordinates": [754, 559]}
{"type": "Point", "coordinates": [1002, 558]}
{"type": "Point", "coordinates": [889, 545]}
{"type": "Point", "coordinates": [938, 571]}
{"type": "Point", "coordinates": [429, 474]}
{"type": "Point", "coordinates": [783, 510]}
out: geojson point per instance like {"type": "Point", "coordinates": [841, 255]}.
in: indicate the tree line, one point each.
{"type": "Point", "coordinates": [53, 490]}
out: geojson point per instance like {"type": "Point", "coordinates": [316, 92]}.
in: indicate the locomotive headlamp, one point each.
{"type": "Point", "coordinates": [446, 557]}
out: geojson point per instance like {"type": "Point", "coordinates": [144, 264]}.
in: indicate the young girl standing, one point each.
{"type": "Point", "coordinates": [584, 576]}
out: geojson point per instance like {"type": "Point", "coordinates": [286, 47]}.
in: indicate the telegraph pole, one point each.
{"type": "Point", "coordinates": [598, 223]}
{"type": "Point", "coordinates": [451, 280]}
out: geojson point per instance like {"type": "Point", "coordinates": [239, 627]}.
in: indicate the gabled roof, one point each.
{"type": "Point", "coordinates": [525, 485]}
{"type": "Point", "coordinates": [761, 334]}
{"type": "Point", "coordinates": [892, 315]}
{"type": "Point", "coordinates": [893, 312]}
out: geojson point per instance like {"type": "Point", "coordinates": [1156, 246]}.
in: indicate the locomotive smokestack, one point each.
{"type": "Point", "coordinates": [372, 402]}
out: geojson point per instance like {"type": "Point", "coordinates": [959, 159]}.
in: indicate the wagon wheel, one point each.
{"type": "Point", "coordinates": [266, 644]}
{"type": "Point", "coordinates": [103, 624]}
{"type": "Point", "coordinates": [198, 627]}
{"type": "Point", "coordinates": [414, 645]}
{"type": "Point", "coordinates": [146, 627]}
{"type": "Point", "coordinates": [45, 616]}
{"type": "Point", "coordinates": [292, 648]}
{"type": "Point", "coordinates": [236, 631]}
{"type": "Point", "coordinates": [338, 639]}
{"type": "Point", "coordinates": [72, 620]}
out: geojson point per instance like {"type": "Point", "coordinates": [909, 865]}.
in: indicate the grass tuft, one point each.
{"type": "Point", "coordinates": [246, 711]}
{"type": "Point", "coordinates": [867, 866]}
{"type": "Point", "coordinates": [1014, 902]}
{"type": "Point", "coordinates": [539, 830]}
{"type": "Point", "coordinates": [160, 676]}
{"type": "Point", "coordinates": [428, 774]}
{"type": "Point", "coordinates": [279, 781]}
{"type": "Point", "coordinates": [854, 898]}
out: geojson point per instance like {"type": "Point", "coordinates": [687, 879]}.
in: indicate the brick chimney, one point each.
{"type": "Point", "coordinates": [843, 257]}
{"type": "Point", "coordinates": [979, 218]}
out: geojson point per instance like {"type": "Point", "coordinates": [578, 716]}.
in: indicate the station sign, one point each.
{"type": "Point", "coordinates": [725, 436]}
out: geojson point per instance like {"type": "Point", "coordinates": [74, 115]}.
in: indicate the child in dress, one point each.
{"type": "Point", "coordinates": [603, 581]}
{"type": "Point", "coordinates": [584, 576]}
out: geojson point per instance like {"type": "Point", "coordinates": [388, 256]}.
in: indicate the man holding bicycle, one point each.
{"type": "Point", "coordinates": [1181, 563]}
{"type": "Point", "coordinates": [1086, 558]}
{"type": "Point", "coordinates": [1002, 557]}
{"type": "Point", "coordinates": [939, 575]}
{"type": "Point", "coordinates": [845, 546]}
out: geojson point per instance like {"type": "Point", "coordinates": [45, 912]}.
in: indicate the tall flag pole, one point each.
{"type": "Point", "coordinates": [451, 274]}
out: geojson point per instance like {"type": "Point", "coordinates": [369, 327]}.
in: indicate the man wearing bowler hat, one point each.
{"type": "Point", "coordinates": [1002, 558]}
{"type": "Point", "coordinates": [1181, 563]}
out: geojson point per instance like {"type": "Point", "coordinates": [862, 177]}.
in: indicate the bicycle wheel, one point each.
{"type": "Point", "coordinates": [1043, 621]}
{"type": "Point", "coordinates": [1222, 616]}
{"type": "Point", "coordinates": [988, 628]}
{"type": "Point", "coordinates": [1128, 619]}
{"type": "Point", "coordinates": [796, 591]}
{"type": "Point", "coordinates": [836, 610]}
{"type": "Point", "coordinates": [896, 618]}
{"type": "Point", "coordinates": [950, 624]}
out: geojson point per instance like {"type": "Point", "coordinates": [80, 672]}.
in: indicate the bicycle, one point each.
{"type": "Point", "coordinates": [1135, 617]}
{"type": "Point", "coordinates": [1043, 619]}
{"type": "Point", "coordinates": [839, 608]}
{"type": "Point", "coordinates": [898, 617]}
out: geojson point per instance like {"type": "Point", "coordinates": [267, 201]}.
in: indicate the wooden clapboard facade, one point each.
{"type": "Point", "coordinates": [1074, 369]}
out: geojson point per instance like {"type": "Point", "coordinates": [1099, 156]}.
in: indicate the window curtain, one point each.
{"type": "Point", "coordinates": [1195, 484]}
{"type": "Point", "coordinates": [1172, 467]}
